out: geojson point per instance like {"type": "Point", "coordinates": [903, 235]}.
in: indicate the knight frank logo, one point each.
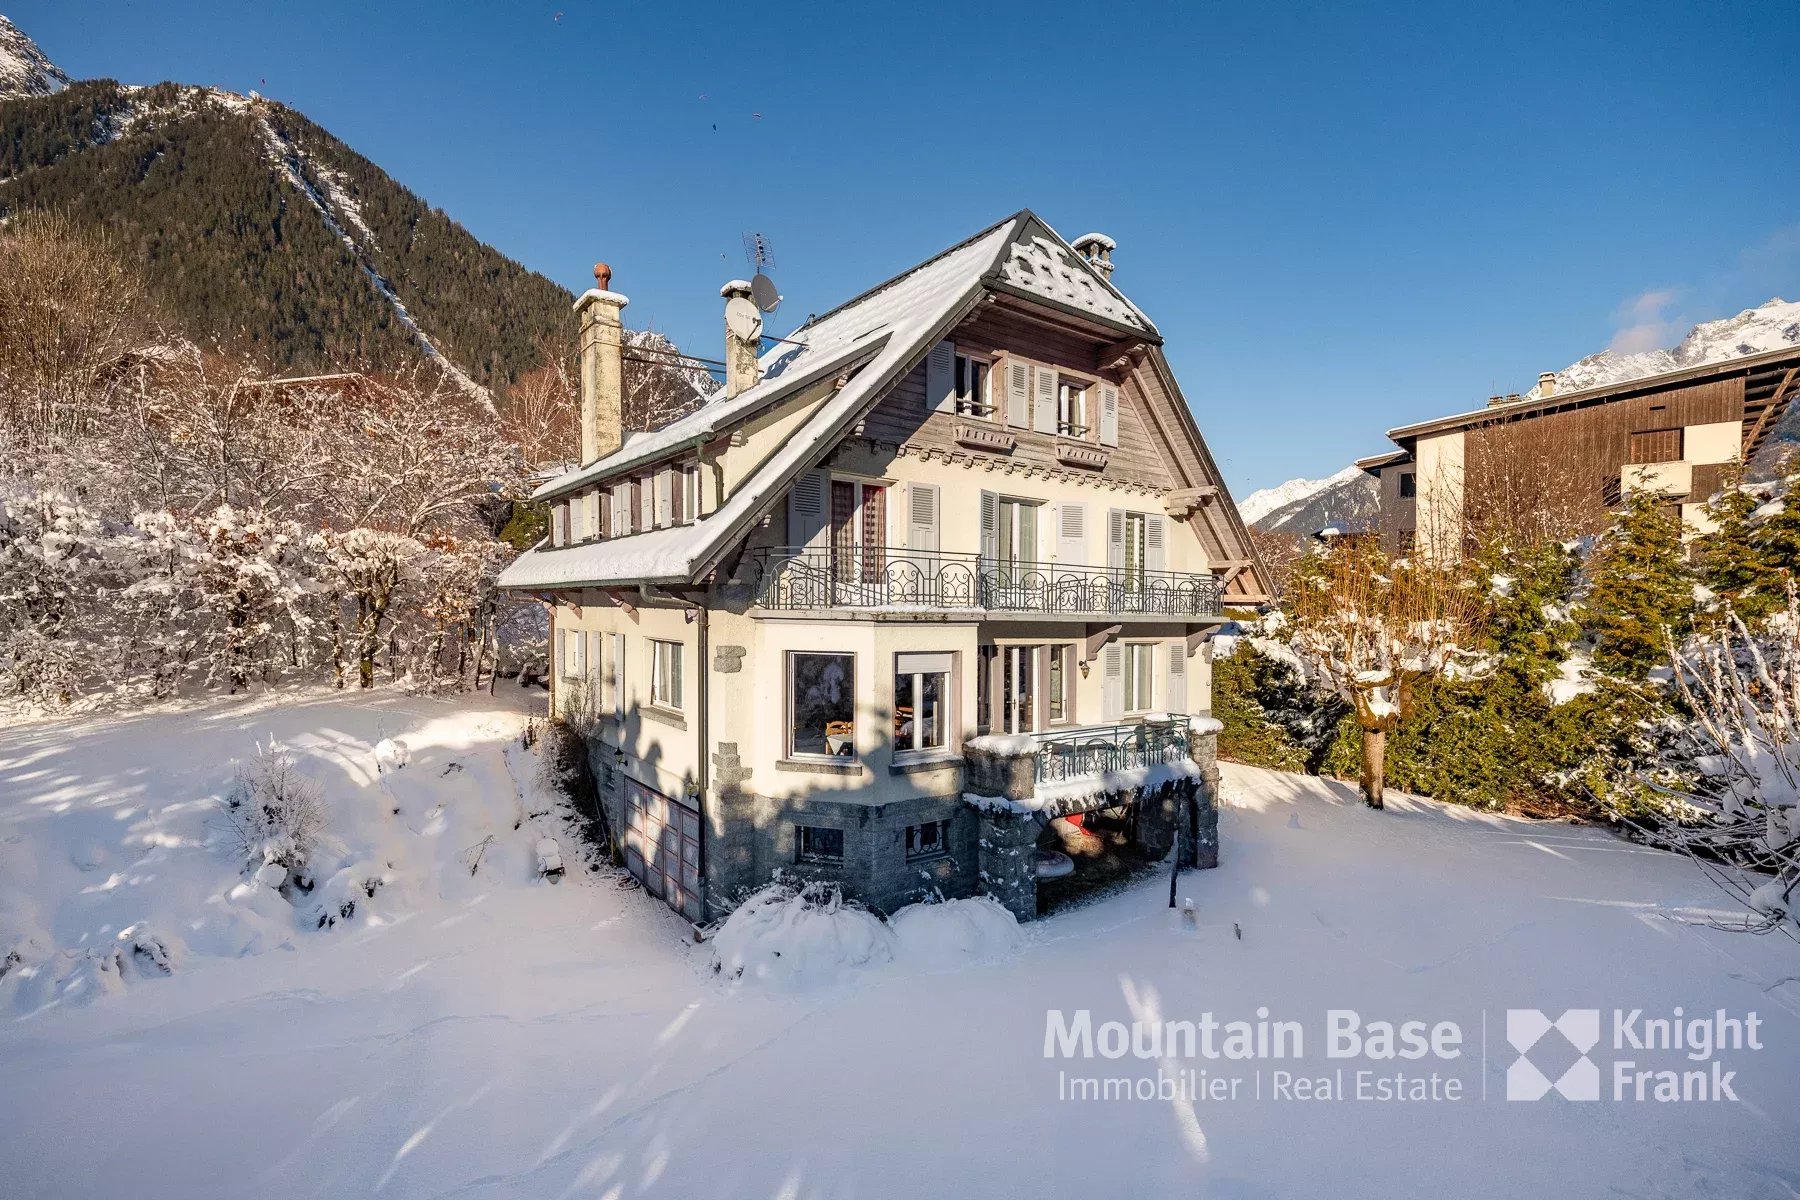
{"type": "Point", "coordinates": [1529, 1032]}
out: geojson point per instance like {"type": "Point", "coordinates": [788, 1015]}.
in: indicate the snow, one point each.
{"type": "Point", "coordinates": [24, 69]}
{"type": "Point", "coordinates": [1260, 504]}
{"type": "Point", "coordinates": [1084, 787]}
{"type": "Point", "coordinates": [1004, 745]}
{"type": "Point", "coordinates": [494, 1037]}
{"type": "Point", "coordinates": [1575, 677]}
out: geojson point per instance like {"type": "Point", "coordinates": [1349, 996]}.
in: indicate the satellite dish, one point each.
{"type": "Point", "coordinates": [742, 319]}
{"type": "Point", "coordinates": [762, 291]}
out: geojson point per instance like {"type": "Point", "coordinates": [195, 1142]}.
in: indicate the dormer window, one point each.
{"type": "Point", "coordinates": [1072, 409]}
{"type": "Point", "coordinates": [971, 384]}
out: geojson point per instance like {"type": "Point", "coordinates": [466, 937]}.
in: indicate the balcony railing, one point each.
{"type": "Point", "coordinates": [792, 577]}
{"type": "Point", "coordinates": [1075, 753]}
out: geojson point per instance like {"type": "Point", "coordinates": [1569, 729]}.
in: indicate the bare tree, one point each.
{"type": "Point", "coordinates": [1372, 629]}
{"type": "Point", "coordinates": [72, 313]}
{"type": "Point", "coordinates": [1527, 486]}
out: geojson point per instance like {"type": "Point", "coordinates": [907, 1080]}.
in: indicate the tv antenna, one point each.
{"type": "Point", "coordinates": [761, 258]}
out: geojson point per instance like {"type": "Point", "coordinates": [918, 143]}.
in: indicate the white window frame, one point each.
{"type": "Point", "coordinates": [982, 407]}
{"type": "Point", "coordinates": [1072, 408]}
{"type": "Point", "coordinates": [918, 665]}
{"type": "Point", "coordinates": [1135, 680]}
{"type": "Point", "coordinates": [666, 674]}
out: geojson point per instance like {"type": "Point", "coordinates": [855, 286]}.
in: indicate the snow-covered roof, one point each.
{"type": "Point", "coordinates": [886, 330]}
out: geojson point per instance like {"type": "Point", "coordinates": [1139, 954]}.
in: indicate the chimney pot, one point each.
{"type": "Point", "coordinates": [1097, 249]}
{"type": "Point", "coordinates": [603, 277]}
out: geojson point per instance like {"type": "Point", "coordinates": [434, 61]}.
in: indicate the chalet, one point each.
{"type": "Point", "coordinates": [933, 571]}
{"type": "Point", "coordinates": [1678, 435]}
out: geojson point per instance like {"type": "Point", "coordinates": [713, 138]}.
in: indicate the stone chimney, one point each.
{"type": "Point", "coordinates": [1547, 384]}
{"type": "Point", "coordinates": [743, 338]}
{"type": "Point", "coordinates": [602, 368]}
{"type": "Point", "coordinates": [1098, 249]}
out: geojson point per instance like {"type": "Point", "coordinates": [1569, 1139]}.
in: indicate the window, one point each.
{"type": "Point", "coordinates": [971, 387]}
{"type": "Point", "coordinates": [928, 840]}
{"type": "Point", "coordinates": [1071, 410]}
{"type": "Point", "coordinates": [1007, 695]}
{"type": "Point", "coordinates": [822, 704]}
{"type": "Point", "coordinates": [1406, 540]}
{"type": "Point", "coordinates": [921, 697]}
{"type": "Point", "coordinates": [573, 646]}
{"type": "Point", "coordinates": [858, 530]}
{"type": "Point", "coordinates": [1656, 446]}
{"type": "Point", "coordinates": [1140, 660]}
{"type": "Point", "coordinates": [1409, 485]}
{"type": "Point", "coordinates": [816, 844]}
{"type": "Point", "coordinates": [1017, 532]}
{"type": "Point", "coordinates": [687, 499]}
{"type": "Point", "coordinates": [665, 674]}
{"type": "Point", "coordinates": [1134, 550]}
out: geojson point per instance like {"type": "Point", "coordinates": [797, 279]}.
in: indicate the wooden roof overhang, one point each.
{"type": "Point", "coordinates": [1771, 380]}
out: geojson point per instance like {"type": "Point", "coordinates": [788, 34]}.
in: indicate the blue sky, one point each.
{"type": "Point", "coordinates": [1343, 217]}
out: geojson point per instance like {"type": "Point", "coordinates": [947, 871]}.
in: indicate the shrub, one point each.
{"type": "Point", "coordinates": [276, 813]}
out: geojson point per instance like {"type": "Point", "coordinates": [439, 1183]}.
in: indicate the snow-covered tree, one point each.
{"type": "Point", "coordinates": [1372, 629]}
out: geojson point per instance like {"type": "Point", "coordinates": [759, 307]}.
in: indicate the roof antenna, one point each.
{"type": "Point", "coordinates": [761, 257]}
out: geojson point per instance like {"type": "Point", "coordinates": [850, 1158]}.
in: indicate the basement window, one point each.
{"type": "Point", "coordinates": [816, 844]}
{"type": "Point", "coordinates": [930, 840]}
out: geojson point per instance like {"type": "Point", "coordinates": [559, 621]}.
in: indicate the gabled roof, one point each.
{"type": "Point", "coordinates": [883, 333]}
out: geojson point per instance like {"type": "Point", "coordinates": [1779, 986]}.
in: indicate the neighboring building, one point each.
{"type": "Point", "coordinates": [970, 501]}
{"type": "Point", "coordinates": [1679, 435]}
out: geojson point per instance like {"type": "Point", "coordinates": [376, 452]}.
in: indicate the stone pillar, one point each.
{"type": "Point", "coordinates": [1204, 844]}
{"type": "Point", "coordinates": [1001, 777]}
{"type": "Point", "coordinates": [602, 368]}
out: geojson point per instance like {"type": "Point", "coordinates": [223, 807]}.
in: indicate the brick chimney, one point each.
{"type": "Point", "coordinates": [743, 338]}
{"type": "Point", "coordinates": [602, 368]}
{"type": "Point", "coordinates": [1547, 384]}
{"type": "Point", "coordinates": [1098, 249]}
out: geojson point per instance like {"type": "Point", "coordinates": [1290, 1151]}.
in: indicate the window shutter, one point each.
{"type": "Point", "coordinates": [559, 523]}
{"type": "Point", "coordinates": [1109, 415]}
{"type": "Point", "coordinates": [665, 498]}
{"type": "Point", "coordinates": [593, 669]}
{"type": "Point", "coordinates": [922, 517]}
{"type": "Point", "coordinates": [646, 494]}
{"type": "Point", "coordinates": [617, 525]}
{"type": "Point", "coordinates": [1115, 539]}
{"type": "Point", "coordinates": [1155, 535]}
{"type": "Point", "coordinates": [580, 670]}
{"type": "Point", "coordinates": [1112, 683]}
{"type": "Point", "coordinates": [1043, 417]}
{"type": "Point", "coordinates": [1018, 393]}
{"type": "Point", "coordinates": [806, 510]}
{"type": "Point", "coordinates": [1177, 698]}
{"type": "Point", "coordinates": [1071, 534]}
{"type": "Point", "coordinates": [940, 378]}
{"type": "Point", "coordinates": [990, 528]}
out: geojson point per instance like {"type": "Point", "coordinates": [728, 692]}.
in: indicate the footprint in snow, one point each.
{"type": "Point", "coordinates": [1294, 821]}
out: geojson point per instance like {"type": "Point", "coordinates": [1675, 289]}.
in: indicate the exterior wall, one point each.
{"type": "Point", "coordinates": [1439, 510]}
{"type": "Point", "coordinates": [1713, 442]}
{"type": "Point", "coordinates": [1665, 478]}
{"type": "Point", "coordinates": [1398, 514]}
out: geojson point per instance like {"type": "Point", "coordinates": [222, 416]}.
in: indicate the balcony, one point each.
{"type": "Point", "coordinates": [1071, 754]}
{"type": "Point", "coordinates": [795, 577]}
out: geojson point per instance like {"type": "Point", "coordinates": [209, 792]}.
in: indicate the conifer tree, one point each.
{"type": "Point", "coordinates": [1641, 585]}
{"type": "Point", "coordinates": [1735, 561]}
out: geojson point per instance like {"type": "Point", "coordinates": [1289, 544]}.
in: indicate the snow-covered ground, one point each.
{"type": "Point", "coordinates": [497, 1036]}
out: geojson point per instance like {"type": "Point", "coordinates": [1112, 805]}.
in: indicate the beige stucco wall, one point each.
{"type": "Point", "coordinates": [1665, 478]}
{"type": "Point", "coordinates": [1439, 506]}
{"type": "Point", "coordinates": [1714, 442]}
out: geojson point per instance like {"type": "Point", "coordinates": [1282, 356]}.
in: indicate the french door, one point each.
{"type": "Point", "coordinates": [858, 531]}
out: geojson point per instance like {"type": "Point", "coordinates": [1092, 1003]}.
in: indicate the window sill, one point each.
{"type": "Point", "coordinates": [664, 716]}
{"type": "Point", "coordinates": [819, 766]}
{"type": "Point", "coordinates": [932, 857]}
{"type": "Point", "coordinates": [936, 760]}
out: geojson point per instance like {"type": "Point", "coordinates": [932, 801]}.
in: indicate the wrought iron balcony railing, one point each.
{"type": "Point", "coordinates": [793, 577]}
{"type": "Point", "coordinates": [1094, 750]}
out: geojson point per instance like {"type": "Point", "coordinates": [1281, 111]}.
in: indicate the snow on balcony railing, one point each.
{"type": "Point", "coordinates": [855, 576]}
{"type": "Point", "coordinates": [1065, 754]}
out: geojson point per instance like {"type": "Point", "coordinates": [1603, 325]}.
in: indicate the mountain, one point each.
{"type": "Point", "coordinates": [24, 71]}
{"type": "Point", "coordinates": [1347, 501]}
{"type": "Point", "coordinates": [1768, 326]}
{"type": "Point", "coordinates": [258, 230]}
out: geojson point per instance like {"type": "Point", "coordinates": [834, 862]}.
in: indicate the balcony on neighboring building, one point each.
{"type": "Point", "coordinates": [882, 577]}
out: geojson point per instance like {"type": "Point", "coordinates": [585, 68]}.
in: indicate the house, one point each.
{"type": "Point", "coordinates": [1571, 456]}
{"type": "Point", "coordinates": [933, 571]}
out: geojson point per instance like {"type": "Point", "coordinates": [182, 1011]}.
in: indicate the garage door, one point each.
{"type": "Point", "coordinates": [662, 846]}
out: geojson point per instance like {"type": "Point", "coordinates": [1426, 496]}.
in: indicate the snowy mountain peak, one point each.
{"type": "Point", "coordinates": [1768, 326]}
{"type": "Point", "coordinates": [1260, 504]}
{"type": "Point", "coordinates": [24, 69]}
